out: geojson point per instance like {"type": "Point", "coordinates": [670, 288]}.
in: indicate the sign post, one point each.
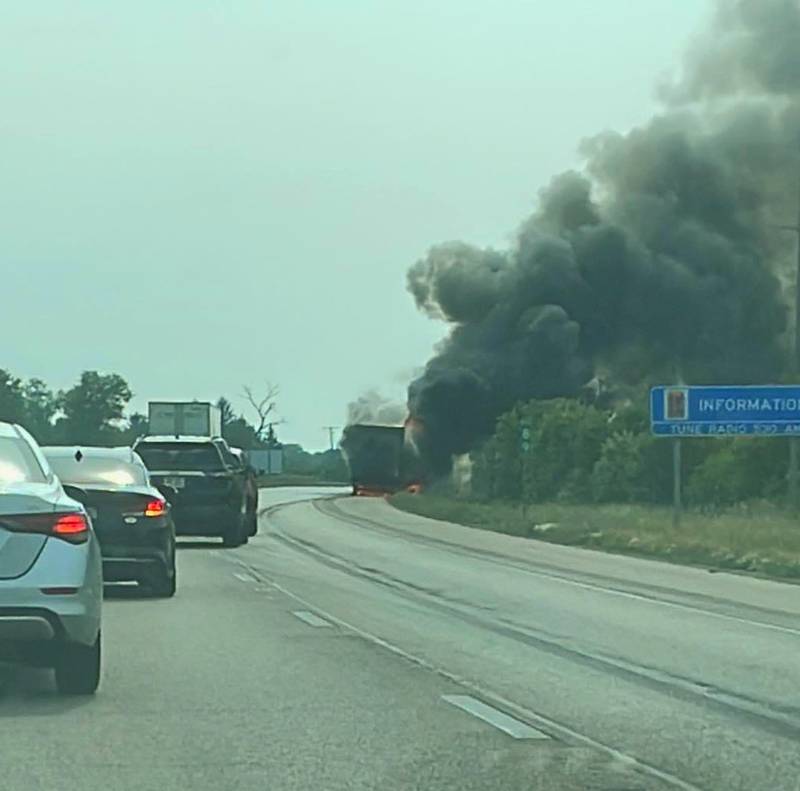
{"type": "Point", "coordinates": [728, 411]}
{"type": "Point", "coordinates": [677, 505]}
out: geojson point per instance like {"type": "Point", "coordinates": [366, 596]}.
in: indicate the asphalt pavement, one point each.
{"type": "Point", "coordinates": [350, 646]}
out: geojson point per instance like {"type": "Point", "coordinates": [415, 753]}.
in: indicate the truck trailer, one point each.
{"type": "Point", "coordinates": [379, 459]}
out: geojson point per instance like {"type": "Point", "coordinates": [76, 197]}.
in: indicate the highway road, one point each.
{"type": "Point", "coordinates": [351, 646]}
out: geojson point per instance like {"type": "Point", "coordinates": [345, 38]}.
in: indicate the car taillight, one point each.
{"type": "Point", "coordinates": [155, 508]}
{"type": "Point", "coordinates": [71, 527]}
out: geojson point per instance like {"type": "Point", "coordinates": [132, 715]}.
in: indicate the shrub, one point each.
{"type": "Point", "coordinates": [619, 472]}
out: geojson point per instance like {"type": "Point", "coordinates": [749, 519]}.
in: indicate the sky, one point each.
{"type": "Point", "coordinates": [205, 195]}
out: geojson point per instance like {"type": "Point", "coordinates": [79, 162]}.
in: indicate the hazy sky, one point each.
{"type": "Point", "coordinates": [199, 195]}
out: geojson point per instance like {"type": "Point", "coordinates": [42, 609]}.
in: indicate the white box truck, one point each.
{"type": "Point", "coordinates": [184, 418]}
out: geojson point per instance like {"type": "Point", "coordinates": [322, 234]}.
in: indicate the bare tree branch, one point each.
{"type": "Point", "coordinates": [264, 406]}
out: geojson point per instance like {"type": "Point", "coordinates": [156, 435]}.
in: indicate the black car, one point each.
{"type": "Point", "coordinates": [131, 517]}
{"type": "Point", "coordinates": [251, 490]}
{"type": "Point", "coordinates": [209, 482]}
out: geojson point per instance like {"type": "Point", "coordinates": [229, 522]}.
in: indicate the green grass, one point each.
{"type": "Point", "coordinates": [758, 538]}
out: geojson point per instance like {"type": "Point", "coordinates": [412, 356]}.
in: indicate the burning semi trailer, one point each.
{"type": "Point", "coordinates": [382, 459]}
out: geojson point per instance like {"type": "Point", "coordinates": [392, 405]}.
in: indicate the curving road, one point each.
{"type": "Point", "coordinates": [353, 646]}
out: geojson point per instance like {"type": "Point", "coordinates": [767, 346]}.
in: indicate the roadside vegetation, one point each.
{"type": "Point", "coordinates": [96, 411]}
{"type": "Point", "coordinates": [578, 474]}
{"type": "Point", "coordinates": [755, 538]}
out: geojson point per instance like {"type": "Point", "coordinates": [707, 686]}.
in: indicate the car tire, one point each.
{"type": "Point", "coordinates": [252, 524]}
{"type": "Point", "coordinates": [165, 583]}
{"type": "Point", "coordinates": [77, 668]}
{"type": "Point", "coordinates": [234, 536]}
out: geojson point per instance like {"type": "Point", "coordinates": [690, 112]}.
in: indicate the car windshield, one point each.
{"type": "Point", "coordinates": [97, 471]}
{"type": "Point", "coordinates": [18, 462]}
{"type": "Point", "coordinates": [176, 457]}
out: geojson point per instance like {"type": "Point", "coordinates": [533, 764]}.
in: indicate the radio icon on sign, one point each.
{"type": "Point", "coordinates": [676, 403]}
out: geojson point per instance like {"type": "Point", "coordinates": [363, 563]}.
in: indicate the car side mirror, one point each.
{"type": "Point", "coordinates": [75, 492]}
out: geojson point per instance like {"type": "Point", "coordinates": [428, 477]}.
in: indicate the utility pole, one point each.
{"type": "Point", "coordinates": [794, 442]}
{"type": "Point", "coordinates": [331, 430]}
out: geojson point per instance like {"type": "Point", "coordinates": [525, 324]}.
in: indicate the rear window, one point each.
{"type": "Point", "coordinates": [18, 462]}
{"type": "Point", "coordinates": [204, 457]}
{"type": "Point", "coordinates": [97, 471]}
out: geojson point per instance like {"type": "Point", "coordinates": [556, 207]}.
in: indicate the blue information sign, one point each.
{"type": "Point", "coordinates": [680, 411]}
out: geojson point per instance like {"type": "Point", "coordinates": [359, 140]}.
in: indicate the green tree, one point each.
{"type": "Point", "coordinates": [236, 429]}
{"type": "Point", "coordinates": [12, 398]}
{"type": "Point", "coordinates": [737, 470]}
{"type": "Point", "coordinates": [240, 434]}
{"type": "Point", "coordinates": [484, 470]}
{"type": "Point", "coordinates": [621, 473]}
{"type": "Point", "coordinates": [41, 406]}
{"type": "Point", "coordinates": [137, 427]}
{"type": "Point", "coordinates": [507, 462]}
{"type": "Point", "coordinates": [566, 441]}
{"type": "Point", "coordinates": [227, 414]}
{"type": "Point", "coordinates": [93, 409]}
{"type": "Point", "coordinates": [332, 466]}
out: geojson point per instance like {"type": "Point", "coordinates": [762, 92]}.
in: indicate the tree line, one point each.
{"type": "Point", "coordinates": [572, 451]}
{"type": "Point", "coordinates": [94, 411]}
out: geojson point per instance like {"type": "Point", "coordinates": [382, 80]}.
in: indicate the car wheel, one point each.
{"type": "Point", "coordinates": [77, 668]}
{"type": "Point", "coordinates": [252, 524]}
{"type": "Point", "coordinates": [234, 535]}
{"type": "Point", "coordinates": [164, 584]}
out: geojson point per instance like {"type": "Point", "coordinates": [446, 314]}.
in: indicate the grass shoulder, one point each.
{"type": "Point", "coordinates": [758, 539]}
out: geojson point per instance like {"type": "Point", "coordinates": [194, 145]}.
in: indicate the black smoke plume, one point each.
{"type": "Point", "coordinates": [661, 258]}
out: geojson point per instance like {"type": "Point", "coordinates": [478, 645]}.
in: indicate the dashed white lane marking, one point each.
{"type": "Point", "coordinates": [309, 618]}
{"type": "Point", "coordinates": [245, 578]}
{"type": "Point", "coordinates": [560, 729]}
{"type": "Point", "coordinates": [495, 717]}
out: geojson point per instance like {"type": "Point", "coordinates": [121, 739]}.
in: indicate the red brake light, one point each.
{"type": "Point", "coordinates": [155, 508]}
{"type": "Point", "coordinates": [71, 527]}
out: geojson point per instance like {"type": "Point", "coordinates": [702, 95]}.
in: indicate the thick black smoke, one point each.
{"type": "Point", "coordinates": [660, 260]}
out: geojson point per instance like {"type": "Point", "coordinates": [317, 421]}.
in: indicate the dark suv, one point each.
{"type": "Point", "coordinates": [204, 482]}
{"type": "Point", "coordinates": [251, 490]}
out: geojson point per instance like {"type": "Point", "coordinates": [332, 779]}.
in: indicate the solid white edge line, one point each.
{"type": "Point", "coordinates": [494, 717]}
{"type": "Point", "coordinates": [308, 617]}
{"type": "Point", "coordinates": [553, 727]}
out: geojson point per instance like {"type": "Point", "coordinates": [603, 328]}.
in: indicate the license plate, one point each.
{"type": "Point", "coordinates": [175, 483]}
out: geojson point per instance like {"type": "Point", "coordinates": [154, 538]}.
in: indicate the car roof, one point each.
{"type": "Point", "coordinates": [69, 451]}
{"type": "Point", "coordinates": [172, 438]}
{"type": "Point", "coordinates": [8, 430]}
